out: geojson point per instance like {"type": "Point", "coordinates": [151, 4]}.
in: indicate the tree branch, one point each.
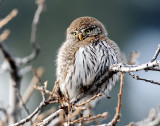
{"type": "Point", "coordinates": [156, 54]}
{"type": "Point", "coordinates": [4, 35]}
{"type": "Point", "coordinates": [8, 18]}
{"type": "Point", "coordinates": [117, 115]}
{"type": "Point", "coordinates": [146, 80]}
{"type": "Point", "coordinates": [4, 110]}
{"type": "Point", "coordinates": [13, 111]}
{"type": "Point", "coordinates": [134, 68]}
{"type": "Point", "coordinates": [36, 49]}
{"type": "Point", "coordinates": [37, 110]}
{"type": "Point", "coordinates": [53, 119]}
{"type": "Point", "coordinates": [30, 88]}
{"type": "Point", "coordinates": [15, 63]}
{"type": "Point", "coordinates": [151, 120]}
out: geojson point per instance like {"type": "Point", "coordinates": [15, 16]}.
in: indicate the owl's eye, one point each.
{"type": "Point", "coordinates": [74, 33]}
{"type": "Point", "coordinates": [88, 31]}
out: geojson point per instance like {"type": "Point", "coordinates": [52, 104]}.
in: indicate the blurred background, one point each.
{"type": "Point", "coordinates": [133, 25]}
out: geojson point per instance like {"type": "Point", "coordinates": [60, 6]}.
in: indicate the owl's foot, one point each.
{"type": "Point", "coordinates": [105, 94]}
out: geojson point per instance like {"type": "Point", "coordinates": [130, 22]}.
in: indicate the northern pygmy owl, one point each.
{"type": "Point", "coordinates": [84, 59]}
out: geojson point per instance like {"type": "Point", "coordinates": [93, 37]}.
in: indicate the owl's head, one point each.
{"type": "Point", "coordinates": [85, 27]}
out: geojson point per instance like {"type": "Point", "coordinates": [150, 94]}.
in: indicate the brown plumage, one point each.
{"type": "Point", "coordinates": [84, 59]}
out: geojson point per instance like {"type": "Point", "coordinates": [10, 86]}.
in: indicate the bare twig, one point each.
{"type": "Point", "coordinates": [54, 118]}
{"type": "Point", "coordinates": [151, 120]}
{"type": "Point", "coordinates": [36, 74]}
{"type": "Point", "coordinates": [54, 89]}
{"type": "Point", "coordinates": [133, 68]}
{"type": "Point", "coordinates": [28, 118]}
{"type": "Point", "coordinates": [37, 110]}
{"type": "Point", "coordinates": [14, 84]}
{"type": "Point", "coordinates": [41, 4]}
{"type": "Point", "coordinates": [156, 54]}
{"type": "Point", "coordinates": [69, 107]}
{"type": "Point", "coordinates": [103, 115]}
{"type": "Point", "coordinates": [23, 105]}
{"type": "Point", "coordinates": [24, 70]}
{"type": "Point", "coordinates": [74, 114]}
{"type": "Point", "coordinates": [89, 100]}
{"type": "Point", "coordinates": [146, 80]}
{"type": "Point", "coordinates": [36, 49]}
{"type": "Point", "coordinates": [71, 115]}
{"type": "Point", "coordinates": [9, 17]}
{"type": "Point", "coordinates": [39, 88]}
{"type": "Point", "coordinates": [13, 111]}
{"type": "Point", "coordinates": [4, 35]}
{"type": "Point", "coordinates": [33, 82]}
{"type": "Point", "coordinates": [42, 116]}
{"type": "Point", "coordinates": [117, 115]}
{"type": "Point", "coordinates": [79, 120]}
{"type": "Point", "coordinates": [4, 110]}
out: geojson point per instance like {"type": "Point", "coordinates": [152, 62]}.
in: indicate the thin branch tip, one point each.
{"type": "Point", "coordinates": [14, 12]}
{"type": "Point", "coordinates": [4, 35]}
{"type": "Point", "coordinates": [8, 18]}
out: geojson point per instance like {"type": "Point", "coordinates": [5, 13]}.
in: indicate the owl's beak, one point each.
{"type": "Point", "coordinates": [80, 36]}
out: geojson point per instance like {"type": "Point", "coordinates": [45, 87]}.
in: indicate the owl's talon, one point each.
{"type": "Point", "coordinates": [82, 89]}
{"type": "Point", "coordinates": [108, 97]}
{"type": "Point", "coordinates": [87, 86]}
{"type": "Point", "coordinates": [65, 108]}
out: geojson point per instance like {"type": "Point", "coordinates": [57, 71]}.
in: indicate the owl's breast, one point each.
{"type": "Point", "coordinates": [92, 61]}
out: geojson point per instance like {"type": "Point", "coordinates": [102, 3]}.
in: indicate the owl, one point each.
{"type": "Point", "coordinates": [84, 59]}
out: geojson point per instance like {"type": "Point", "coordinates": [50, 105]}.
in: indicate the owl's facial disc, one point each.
{"type": "Point", "coordinates": [85, 27]}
